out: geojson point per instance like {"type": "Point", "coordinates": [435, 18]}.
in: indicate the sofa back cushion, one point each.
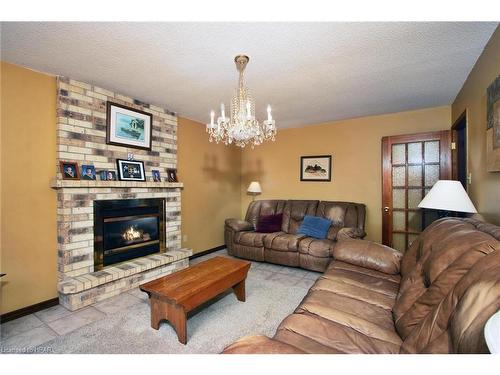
{"type": "Point", "coordinates": [294, 213]}
{"type": "Point", "coordinates": [450, 286]}
{"type": "Point", "coordinates": [260, 208]}
{"type": "Point", "coordinates": [342, 214]}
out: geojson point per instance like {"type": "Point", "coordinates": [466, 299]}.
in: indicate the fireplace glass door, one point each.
{"type": "Point", "coordinates": [125, 229]}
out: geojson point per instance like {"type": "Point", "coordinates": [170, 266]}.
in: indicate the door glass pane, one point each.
{"type": "Point", "coordinates": [414, 197]}
{"type": "Point", "coordinates": [432, 152]}
{"type": "Point", "coordinates": [399, 241]}
{"type": "Point", "coordinates": [431, 174]}
{"type": "Point", "coordinates": [414, 175]}
{"type": "Point", "coordinates": [398, 198]}
{"type": "Point", "coordinates": [398, 176]}
{"type": "Point", "coordinates": [415, 221]}
{"type": "Point", "coordinates": [398, 220]}
{"type": "Point", "coordinates": [398, 154]}
{"type": "Point", "coordinates": [415, 152]}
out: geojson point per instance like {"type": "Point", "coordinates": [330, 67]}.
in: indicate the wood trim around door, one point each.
{"type": "Point", "coordinates": [443, 136]}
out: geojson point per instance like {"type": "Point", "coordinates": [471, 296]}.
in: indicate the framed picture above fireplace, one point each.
{"type": "Point", "coordinates": [128, 127]}
{"type": "Point", "coordinates": [130, 170]}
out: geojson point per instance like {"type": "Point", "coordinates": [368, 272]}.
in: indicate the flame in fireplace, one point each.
{"type": "Point", "coordinates": [132, 234]}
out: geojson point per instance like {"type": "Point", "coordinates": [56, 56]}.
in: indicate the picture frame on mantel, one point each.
{"type": "Point", "coordinates": [130, 170]}
{"type": "Point", "coordinates": [317, 168]}
{"type": "Point", "coordinates": [128, 127]}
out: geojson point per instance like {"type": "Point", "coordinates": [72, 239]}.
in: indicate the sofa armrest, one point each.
{"type": "Point", "coordinates": [369, 254]}
{"type": "Point", "coordinates": [239, 225]}
{"type": "Point", "coordinates": [260, 345]}
{"type": "Point", "coordinates": [347, 233]}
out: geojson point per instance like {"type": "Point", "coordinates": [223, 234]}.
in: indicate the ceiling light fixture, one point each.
{"type": "Point", "coordinates": [241, 127]}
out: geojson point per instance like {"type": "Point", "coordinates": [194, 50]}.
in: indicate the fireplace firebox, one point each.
{"type": "Point", "coordinates": [125, 229]}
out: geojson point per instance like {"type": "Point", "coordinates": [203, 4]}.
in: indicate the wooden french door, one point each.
{"type": "Point", "coordinates": [411, 165]}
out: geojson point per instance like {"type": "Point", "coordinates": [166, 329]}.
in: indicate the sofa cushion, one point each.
{"type": "Point", "coordinates": [283, 241]}
{"type": "Point", "coordinates": [450, 256]}
{"type": "Point", "coordinates": [269, 223]}
{"type": "Point", "coordinates": [316, 248]}
{"type": "Point", "coordinates": [260, 345]}
{"type": "Point", "coordinates": [328, 320]}
{"type": "Point", "coordinates": [315, 226]}
{"type": "Point", "coordinates": [342, 214]}
{"type": "Point", "coordinates": [255, 239]}
{"type": "Point", "coordinates": [294, 213]}
{"type": "Point", "coordinates": [369, 254]}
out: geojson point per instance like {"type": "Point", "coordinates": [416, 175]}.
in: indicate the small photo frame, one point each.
{"type": "Point", "coordinates": [130, 170]}
{"type": "Point", "coordinates": [88, 172]}
{"type": "Point", "coordinates": [103, 175]}
{"type": "Point", "coordinates": [156, 175]}
{"type": "Point", "coordinates": [69, 170]}
{"type": "Point", "coordinates": [316, 168]}
{"type": "Point", "coordinates": [172, 175]}
{"type": "Point", "coordinates": [111, 176]}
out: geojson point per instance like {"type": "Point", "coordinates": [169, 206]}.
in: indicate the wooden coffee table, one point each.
{"type": "Point", "coordinates": [173, 296]}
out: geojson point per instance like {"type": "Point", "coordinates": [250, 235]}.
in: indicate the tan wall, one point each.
{"type": "Point", "coordinates": [28, 209]}
{"type": "Point", "coordinates": [356, 148]}
{"type": "Point", "coordinates": [211, 194]}
{"type": "Point", "coordinates": [485, 188]}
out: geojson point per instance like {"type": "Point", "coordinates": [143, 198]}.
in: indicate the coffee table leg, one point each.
{"type": "Point", "coordinates": [175, 314]}
{"type": "Point", "coordinates": [158, 312]}
{"type": "Point", "coordinates": [177, 317]}
{"type": "Point", "coordinates": [239, 290]}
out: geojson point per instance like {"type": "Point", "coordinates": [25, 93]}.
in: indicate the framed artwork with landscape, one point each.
{"type": "Point", "coordinates": [316, 168]}
{"type": "Point", "coordinates": [128, 127]}
{"type": "Point", "coordinates": [130, 170]}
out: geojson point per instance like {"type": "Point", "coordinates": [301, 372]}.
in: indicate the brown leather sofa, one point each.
{"type": "Point", "coordinates": [371, 299]}
{"type": "Point", "coordinates": [287, 247]}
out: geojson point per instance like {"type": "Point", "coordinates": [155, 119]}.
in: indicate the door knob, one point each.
{"type": "Point", "coordinates": [386, 209]}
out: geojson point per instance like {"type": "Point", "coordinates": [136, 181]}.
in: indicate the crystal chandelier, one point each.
{"type": "Point", "coordinates": [241, 128]}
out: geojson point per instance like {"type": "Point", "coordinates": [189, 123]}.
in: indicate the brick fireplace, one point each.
{"type": "Point", "coordinates": [81, 136]}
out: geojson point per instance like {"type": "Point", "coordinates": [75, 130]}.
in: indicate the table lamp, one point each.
{"type": "Point", "coordinates": [254, 189]}
{"type": "Point", "coordinates": [492, 333]}
{"type": "Point", "coordinates": [446, 196]}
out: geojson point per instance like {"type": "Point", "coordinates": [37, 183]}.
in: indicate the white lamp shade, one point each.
{"type": "Point", "coordinates": [254, 188]}
{"type": "Point", "coordinates": [492, 333]}
{"type": "Point", "coordinates": [448, 195]}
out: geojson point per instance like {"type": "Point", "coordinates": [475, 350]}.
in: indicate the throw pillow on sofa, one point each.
{"type": "Point", "coordinates": [315, 226]}
{"type": "Point", "coordinates": [269, 223]}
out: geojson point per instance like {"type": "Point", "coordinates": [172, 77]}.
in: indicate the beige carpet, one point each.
{"type": "Point", "coordinates": [273, 292]}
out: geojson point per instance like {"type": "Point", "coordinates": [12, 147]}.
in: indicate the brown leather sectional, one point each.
{"type": "Point", "coordinates": [372, 299]}
{"type": "Point", "coordinates": [287, 247]}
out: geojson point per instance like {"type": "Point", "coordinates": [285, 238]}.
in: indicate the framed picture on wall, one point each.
{"type": "Point", "coordinates": [316, 168]}
{"type": "Point", "coordinates": [128, 127]}
{"type": "Point", "coordinates": [130, 170]}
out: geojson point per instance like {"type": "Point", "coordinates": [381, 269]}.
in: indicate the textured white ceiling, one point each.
{"type": "Point", "coordinates": [308, 72]}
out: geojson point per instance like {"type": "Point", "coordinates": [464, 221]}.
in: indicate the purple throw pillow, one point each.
{"type": "Point", "coordinates": [269, 223]}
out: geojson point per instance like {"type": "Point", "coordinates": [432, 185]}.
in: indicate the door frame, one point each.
{"type": "Point", "coordinates": [444, 137]}
{"type": "Point", "coordinates": [454, 153]}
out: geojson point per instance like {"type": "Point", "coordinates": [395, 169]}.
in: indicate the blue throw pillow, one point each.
{"type": "Point", "coordinates": [315, 226]}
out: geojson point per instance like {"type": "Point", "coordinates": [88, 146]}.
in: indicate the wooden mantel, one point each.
{"type": "Point", "coordinates": [68, 184]}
